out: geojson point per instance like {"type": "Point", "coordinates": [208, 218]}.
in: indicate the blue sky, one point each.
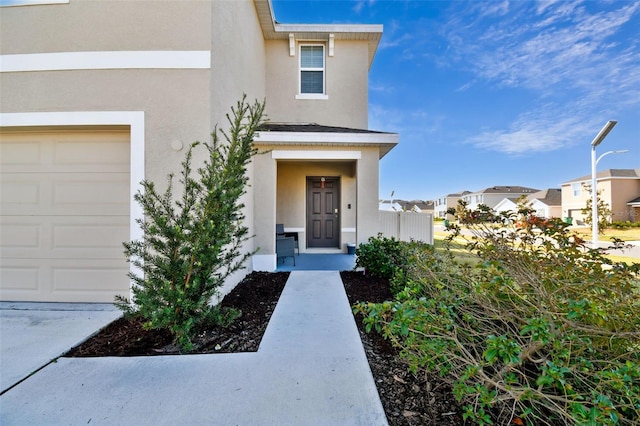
{"type": "Point", "coordinates": [488, 93]}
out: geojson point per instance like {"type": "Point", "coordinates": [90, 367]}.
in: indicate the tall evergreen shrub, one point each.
{"type": "Point", "coordinates": [193, 242]}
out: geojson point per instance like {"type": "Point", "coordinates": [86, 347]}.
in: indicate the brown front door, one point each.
{"type": "Point", "coordinates": [323, 212]}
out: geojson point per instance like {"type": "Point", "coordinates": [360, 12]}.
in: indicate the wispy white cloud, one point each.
{"type": "Point", "coordinates": [414, 125]}
{"type": "Point", "coordinates": [395, 41]}
{"type": "Point", "coordinates": [545, 129]}
{"type": "Point", "coordinates": [360, 4]}
{"type": "Point", "coordinates": [466, 86]}
{"type": "Point", "coordinates": [573, 59]}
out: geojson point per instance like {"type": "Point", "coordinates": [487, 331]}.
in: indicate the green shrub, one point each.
{"type": "Point", "coordinates": [193, 243]}
{"type": "Point", "coordinates": [381, 256]}
{"type": "Point", "coordinates": [544, 329]}
{"type": "Point", "coordinates": [624, 225]}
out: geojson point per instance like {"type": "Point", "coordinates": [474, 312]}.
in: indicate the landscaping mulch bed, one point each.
{"type": "Point", "coordinates": [408, 399]}
{"type": "Point", "coordinates": [256, 296]}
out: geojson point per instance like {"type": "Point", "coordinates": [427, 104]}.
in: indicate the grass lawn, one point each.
{"type": "Point", "coordinates": [457, 246]}
{"type": "Point", "coordinates": [631, 234]}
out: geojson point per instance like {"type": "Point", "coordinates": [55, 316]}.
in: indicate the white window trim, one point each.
{"type": "Point", "coordinates": [316, 96]}
{"type": "Point", "coordinates": [322, 95]}
{"type": "Point", "coordinates": [576, 189]}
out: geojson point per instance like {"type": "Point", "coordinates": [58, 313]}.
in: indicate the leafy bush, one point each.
{"type": "Point", "coordinates": [192, 244]}
{"type": "Point", "coordinates": [625, 225]}
{"type": "Point", "coordinates": [543, 331]}
{"type": "Point", "coordinates": [381, 256]}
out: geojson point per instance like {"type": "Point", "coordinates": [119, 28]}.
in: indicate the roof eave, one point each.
{"type": "Point", "coordinates": [384, 141]}
{"type": "Point", "coordinates": [273, 30]}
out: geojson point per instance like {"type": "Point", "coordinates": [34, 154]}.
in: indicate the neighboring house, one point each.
{"type": "Point", "coordinates": [97, 96]}
{"type": "Point", "coordinates": [490, 197]}
{"type": "Point", "coordinates": [416, 206]}
{"type": "Point", "coordinates": [507, 205]}
{"type": "Point", "coordinates": [390, 205]}
{"type": "Point", "coordinates": [545, 203]}
{"type": "Point", "coordinates": [442, 204]}
{"type": "Point", "coordinates": [619, 188]}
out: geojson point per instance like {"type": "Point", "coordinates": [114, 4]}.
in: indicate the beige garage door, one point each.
{"type": "Point", "coordinates": [64, 213]}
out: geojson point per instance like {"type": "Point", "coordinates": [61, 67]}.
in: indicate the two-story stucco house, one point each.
{"type": "Point", "coordinates": [442, 204]}
{"type": "Point", "coordinates": [619, 189]}
{"type": "Point", "coordinates": [99, 95]}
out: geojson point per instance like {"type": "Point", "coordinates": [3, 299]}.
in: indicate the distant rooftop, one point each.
{"type": "Point", "coordinates": [551, 196]}
{"type": "Point", "coordinates": [507, 190]}
{"type": "Point", "coordinates": [611, 173]}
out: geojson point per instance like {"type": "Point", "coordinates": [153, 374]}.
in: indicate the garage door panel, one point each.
{"type": "Point", "coordinates": [68, 194]}
{"type": "Point", "coordinates": [58, 153]}
{"type": "Point", "coordinates": [108, 152]}
{"type": "Point", "coordinates": [64, 214]}
{"type": "Point", "coordinates": [95, 276]}
{"type": "Point", "coordinates": [20, 194]}
{"type": "Point", "coordinates": [21, 153]}
{"type": "Point", "coordinates": [19, 235]}
{"type": "Point", "coordinates": [98, 194]}
{"type": "Point", "coordinates": [58, 237]}
{"type": "Point", "coordinates": [61, 280]}
{"type": "Point", "coordinates": [92, 239]}
{"type": "Point", "coordinates": [17, 277]}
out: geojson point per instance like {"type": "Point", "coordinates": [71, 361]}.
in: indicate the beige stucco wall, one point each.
{"type": "Point", "coordinates": [237, 68]}
{"type": "Point", "coordinates": [104, 25]}
{"type": "Point", "coordinates": [620, 192]}
{"type": "Point", "coordinates": [615, 192]}
{"type": "Point", "coordinates": [367, 173]}
{"type": "Point", "coordinates": [346, 86]}
{"type": "Point", "coordinates": [237, 56]}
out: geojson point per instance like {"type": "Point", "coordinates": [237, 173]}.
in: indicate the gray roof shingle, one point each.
{"type": "Point", "coordinates": [311, 127]}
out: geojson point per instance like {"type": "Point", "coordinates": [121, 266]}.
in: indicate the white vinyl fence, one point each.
{"type": "Point", "coordinates": [406, 226]}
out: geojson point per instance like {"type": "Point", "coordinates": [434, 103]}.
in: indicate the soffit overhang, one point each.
{"type": "Point", "coordinates": [383, 141]}
{"type": "Point", "coordinates": [272, 30]}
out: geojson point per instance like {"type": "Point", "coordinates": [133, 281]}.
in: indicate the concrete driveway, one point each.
{"type": "Point", "coordinates": [34, 334]}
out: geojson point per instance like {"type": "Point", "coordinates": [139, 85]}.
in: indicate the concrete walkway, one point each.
{"type": "Point", "coordinates": [310, 369]}
{"type": "Point", "coordinates": [34, 334]}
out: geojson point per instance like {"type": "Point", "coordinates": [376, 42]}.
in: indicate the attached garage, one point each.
{"type": "Point", "coordinates": [64, 213]}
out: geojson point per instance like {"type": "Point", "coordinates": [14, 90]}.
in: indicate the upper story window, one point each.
{"type": "Point", "coordinates": [312, 69]}
{"type": "Point", "coordinates": [576, 188]}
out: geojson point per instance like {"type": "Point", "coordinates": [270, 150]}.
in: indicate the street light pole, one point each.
{"type": "Point", "coordinates": [594, 183]}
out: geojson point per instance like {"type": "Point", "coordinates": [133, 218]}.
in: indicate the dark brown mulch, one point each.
{"type": "Point", "coordinates": [408, 399]}
{"type": "Point", "coordinates": [256, 296]}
